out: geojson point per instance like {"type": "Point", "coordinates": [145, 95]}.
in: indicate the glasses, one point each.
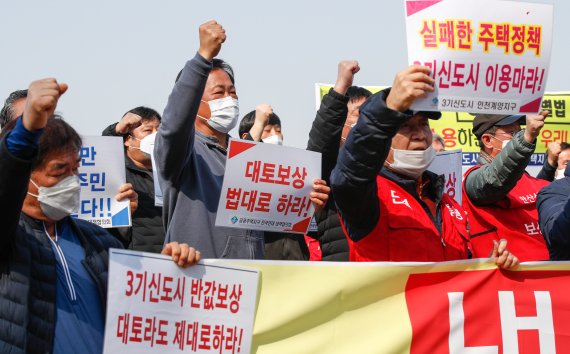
{"type": "Point", "coordinates": [511, 134]}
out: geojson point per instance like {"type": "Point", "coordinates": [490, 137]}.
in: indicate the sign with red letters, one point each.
{"type": "Point", "coordinates": [266, 187]}
{"type": "Point", "coordinates": [485, 56]}
{"type": "Point", "coordinates": [154, 306]}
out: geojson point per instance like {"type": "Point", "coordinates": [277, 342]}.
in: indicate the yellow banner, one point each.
{"type": "Point", "coordinates": [314, 307]}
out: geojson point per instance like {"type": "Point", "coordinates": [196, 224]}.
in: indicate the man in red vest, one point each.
{"type": "Point", "coordinates": [498, 194]}
{"type": "Point", "coordinates": [391, 207]}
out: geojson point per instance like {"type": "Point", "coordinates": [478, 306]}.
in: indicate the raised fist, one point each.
{"type": "Point", "coordinates": [41, 102]}
{"type": "Point", "coordinates": [409, 84]}
{"type": "Point", "coordinates": [534, 124]}
{"type": "Point", "coordinates": [128, 123]}
{"type": "Point", "coordinates": [212, 35]}
{"type": "Point", "coordinates": [346, 71]}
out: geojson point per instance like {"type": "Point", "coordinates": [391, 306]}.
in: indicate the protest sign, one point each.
{"type": "Point", "coordinates": [266, 187]}
{"type": "Point", "coordinates": [448, 164]}
{"type": "Point", "coordinates": [380, 307]}
{"type": "Point", "coordinates": [154, 306]}
{"type": "Point", "coordinates": [485, 56]}
{"type": "Point", "coordinates": [101, 173]}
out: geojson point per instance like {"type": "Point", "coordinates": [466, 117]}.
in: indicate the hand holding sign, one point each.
{"type": "Point", "coordinates": [346, 71]}
{"type": "Point", "coordinates": [534, 124]}
{"type": "Point", "coordinates": [181, 253]}
{"type": "Point", "coordinates": [409, 84]}
{"type": "Point", "coordinates": [41, 102]}
{"type": "Point", "coordinates": [212, 35]}
{"type": "Point", "coordinates": [503, 258]}
{"type": "Point", "coordinates": [126, 191]}
{"type": "Point", "coordinates": [320, 194]}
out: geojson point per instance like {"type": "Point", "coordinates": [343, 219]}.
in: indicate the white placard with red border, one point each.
{"type": "Point", "coordinates": [154, 306]}
{"type": "Point", "coordinates": [266, 187]}
{"type": "Point", "coordinates": [485, 56]}
{"type": "Point", "coordinates": [448, 164]}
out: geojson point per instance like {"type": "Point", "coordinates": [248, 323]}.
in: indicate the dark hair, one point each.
{"type": "Point", "coordinates": [564, 146]}
{"type": "Point", "coordinates": [145, 113]}
{"type": "Point", "coordinates": [7, 113]}
{"type": "Point", "coordinates": [58, 136]}
{"type": "Point", "coordinates": [216, 64]}
{"type": "Point", "coordinates": [357, 92]}
{"type": "Point", "coordinates": [248, 120]}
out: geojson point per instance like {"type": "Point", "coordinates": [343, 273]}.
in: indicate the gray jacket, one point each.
{"type": "Point", "coordinates": [191, 170]}
{"type": "Point", "coordinates": [494, 180]}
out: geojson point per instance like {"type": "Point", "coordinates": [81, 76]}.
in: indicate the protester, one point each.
{"type": "Point", "coordinates": [498, 194]}
{"type": "Point", "coordinates": [553, 204]}
{"type": "Point", "coordinates": [438, 143]}
{"type": "Point", "coordinates": [138, 128]}
{"type": "Point", "coordinates": [262, 124]}
{"type": "Point", "coordinates": [191, 154]}
{"type": "Point", "coordinates": [53, 284]}
{"type": "Point", "coordinates": [554, 165]}
{"type": "Point", "coordinates": [391, 207]}
{"type": "Point", "coordinates": [337, 114]}
{"type": "Point", "coordinates": [13, 106]}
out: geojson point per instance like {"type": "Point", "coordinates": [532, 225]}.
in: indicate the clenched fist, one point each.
{"type": "Point", "coordinates": [534, 124]}
{"type": "Point", "coordinates": [212, 35]}
{"type": "Point", "coordinates": [41, 102]}
{"type": "Point", "coordinates": [346, 71]}
{"type": "Point", "coordinates": [409, 84]}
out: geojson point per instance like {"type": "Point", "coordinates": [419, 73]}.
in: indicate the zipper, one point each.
{"type": "Point", "coordinates": [66, 270]}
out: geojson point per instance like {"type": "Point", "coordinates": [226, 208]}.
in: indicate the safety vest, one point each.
{"type": "Point", "coordinates": [406, 233]}
{"type": "Point", "coordinates": [513, 218]}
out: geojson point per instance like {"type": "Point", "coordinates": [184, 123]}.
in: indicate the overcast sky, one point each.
{"type": "Point", "coordinates": [116, 55]}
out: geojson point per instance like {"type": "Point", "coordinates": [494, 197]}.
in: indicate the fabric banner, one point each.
{"type": "Point", "coordinates": [452, 307]}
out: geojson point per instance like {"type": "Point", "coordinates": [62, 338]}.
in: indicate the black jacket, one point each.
{"type": "Point", "coordinates": [324, 137]}
{"type": "Point", "coordinates": [147, 233]}
{"type": "Point", "coordinates": [28, 266]}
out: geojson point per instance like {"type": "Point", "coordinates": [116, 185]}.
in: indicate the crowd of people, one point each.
{"type": "Point", "coordinates": [376, 199]}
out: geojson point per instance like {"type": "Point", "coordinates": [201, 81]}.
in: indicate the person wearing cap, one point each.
{"type": "Point", "coordinates": [391, 207]}
{"type": "Point", "coordinates": [498, 194]}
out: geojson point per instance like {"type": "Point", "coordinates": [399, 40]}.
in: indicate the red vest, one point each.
{"type": "Point", "coordinates": [406, 233]}
{"type": "Point", "coordinates": [514, 219]}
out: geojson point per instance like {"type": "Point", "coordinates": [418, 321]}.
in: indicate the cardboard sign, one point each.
{"type": "Point", "coordinates": [448, 164]}
{"type": "Point", "coordinates": [154, 306]}
{"type": "Point", "coordinates": [101, 173]}
{"type": "Point", "coordinates": [266, 187]}
{"type": "Point", "coordinates": [485, 56]}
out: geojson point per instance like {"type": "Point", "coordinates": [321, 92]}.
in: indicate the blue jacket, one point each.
{"type": "Point", "coordinates": [553, 203]}
{"type": "Point", "coordinates": [191, 169]}
{"type": "Point", "coordinates": [28, 264]}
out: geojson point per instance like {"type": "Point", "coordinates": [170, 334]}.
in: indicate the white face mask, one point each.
{"type": "Point", "coordinates": [225, 113]}
{"type": "Point", "coordinates": [60, 200]}
{"type": "Point", "coordinates": [560, 173]}
{"type": "Point", "coordinates": [146, 144]}
{"type": "Point", "coordinates": [504, 143]}
{"type": "Point", "coordinates": [412, 163]}
{"type": "Point", "coordinates": [273, 139]}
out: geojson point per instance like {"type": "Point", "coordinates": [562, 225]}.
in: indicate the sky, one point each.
{"type": "Point", "coordinates": [117, 55]}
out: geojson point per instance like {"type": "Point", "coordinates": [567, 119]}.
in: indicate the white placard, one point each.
{"type": "Point", "coordinates": [101, 173]}
{"type": "Point", "coordinates": [266, 187]}
{"type": "Point", "coordinates": [485, 56]}
{"type": "Point", "coordinates": [154, 306]}
{"type": "Point", "coordinates": [448, 164]}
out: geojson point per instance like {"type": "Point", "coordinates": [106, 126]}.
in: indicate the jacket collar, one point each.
{"type": "Point", "coordinates": [212, 141]}
{"type": "Point", "coordinates": [434, 188]}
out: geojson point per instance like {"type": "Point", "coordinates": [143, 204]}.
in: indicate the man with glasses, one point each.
{"type": "Point", "coordinates": [498, 194]}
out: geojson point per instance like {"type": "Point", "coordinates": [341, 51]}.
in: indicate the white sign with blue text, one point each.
{"type": "Point", "coordinates": [101, 173]}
